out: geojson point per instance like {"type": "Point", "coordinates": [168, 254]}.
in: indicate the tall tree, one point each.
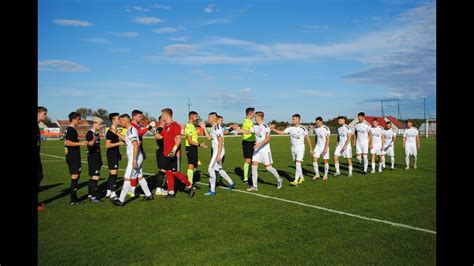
{"type": "Point", "coordinates": [84, 112]}
{"type": "Point", "coordinates": [101, 113]}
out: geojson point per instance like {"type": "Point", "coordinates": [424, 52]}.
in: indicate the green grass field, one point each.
{"type": "Point", "coordinates": [240, 228]}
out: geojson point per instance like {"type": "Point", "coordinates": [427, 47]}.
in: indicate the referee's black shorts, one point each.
{"type": "Point", "coordinates": [73, 161]}
{"type": "Point", "coordinates": [192, 154]}
{"type": "Point", "coordinates": [247, 148]}
{"type": "Point", "coordinates": [95, 163]}
{"type": "Point", "coordinates": [173, 163]}
{"type": "Point", "coordinates": [160, 159]}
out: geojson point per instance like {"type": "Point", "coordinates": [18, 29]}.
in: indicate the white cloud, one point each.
{"type": "Point", "coordinates": [376, 18]}
{"type": "Point", "coordinates": [96, 40]}
{"type": "Point", "coordinates": [210, 8]}
{"type": "Point", "coordinates": [147, 20]}
{"type": "Point", "coordinates": [161, 7]}
{"type": "Point", "coordinates": [61, 65]}
{"type": "Point", "coordinates": [72, 22]}
{"type": "Point", "coordinates": [139, 8]}
{"type": "Point", "coordinates": [230, 99]}
{"type": "Point", "coordinates": [182, 38]}
{"type": "Point", "coordinates": [174, 49]}
{"type": "Point", "coordinates": [128, 34]}
{"type": "Point", "coordinates": [169, 30]}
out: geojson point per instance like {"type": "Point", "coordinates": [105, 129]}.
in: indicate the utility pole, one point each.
{"type": "Point", "coordinates": [424, 115]}
{"type": "Point", "coordinates": [189, 105]}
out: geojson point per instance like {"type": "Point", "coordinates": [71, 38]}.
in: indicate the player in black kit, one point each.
{"type": "Point", "coordinates": [160, 160]}
{"type": "Point", "coordinates": [112, 143]}
{"type": "Point", "coordinates": [73, 154]}
{"type": "Point", "coordinates": [94, 159]}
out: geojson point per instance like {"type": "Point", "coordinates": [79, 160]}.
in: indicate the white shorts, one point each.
{"type": "Point", "coordinates": [264, 157]}
{"type": "Point", "coordinates": [318, 151]}
{"type": "Point", "coordinates": [377, 149]}
{"type": "Point", "coordinates": [213, 164]}
{"type": "Point", "coordinates": [132, 173]}
{"type": "Point", "coordinates": [297, 153]}
{"type": "Point", "coordinates": [390, 151]}
{"type": "Point", "coordinates": [410, 149]}
{"type": "Point", "coordinates": [346, 154]}
{"type": "Point", "coordinates": [362, 148]}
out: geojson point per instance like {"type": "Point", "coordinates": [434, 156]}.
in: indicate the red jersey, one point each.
{"type": "Point", "coordinates": [169, 134]}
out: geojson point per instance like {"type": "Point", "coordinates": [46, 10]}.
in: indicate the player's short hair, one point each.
{"type": "Point", "coordinates": [112, 115]}
{"type": "Point", "coordinates": [319, 118]}
{"type": "Point", "coordinates": [248, 110]}
{"type": "Point", "coordinates": [409, 121]}
{"type": "Point", "coordinates": [73, 115]}
{"type": "Point", "coordinates": [375, 120]}
{"type": "Point", "coordinates": [125, 116]}
{"type": "Point", "coordinates": [168, 111]}
{"type": "Point", "coordinates": [296, 115]}
{"type": "Point", "coordinates": [159, 118]}
{"type": "Point", "coordinates": [361, 114]}
{"type": "Point", "coordinates": [136, 112]}
{"type": "Point", "coordinates": [97, 120]}
{"type": "Point", "coordinates": [219, 117]}
{"type": "Point", "coordinates": [213, 113]}
{"type": "Point", "coordinates": [388, 122]}
{"type": "Point", "coordinates": [260, 113]}
{"type": "Point", "coordinates": [42, 109]}
{"type": "Point", "coordinates": [192, 113]}
{"type": "Point", "coordinates": [341, 117]}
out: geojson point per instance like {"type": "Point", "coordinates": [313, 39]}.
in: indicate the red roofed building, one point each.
{"type": "Point", "coordinates": [396, 125]}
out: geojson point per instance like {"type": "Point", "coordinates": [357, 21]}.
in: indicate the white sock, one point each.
{"type": "Point", "coordinates": [298, 171]}
{"type": "Point", "coordinates": [144, 186]}
{"type": "Point", "coordinates": [366, 162]}
{"type": "Point", "coordinates": [383, 161]}
{"type": "Point", "coordinates": [326, 169]}
{"type": "Point", "coordinates": [392, 159]}
{"type": "Point", "coordinates": [415, 159]}
{"type": "Point", "coordinates": [316, 168]}
{"type": "Point", "coordinates": [274, 172]}
{"type": "Point", "coordinates": [254, 175]}
{"type": "Point", "coordinates": [226, 176]}
{"type": "Point", "coordinates": [407, 160]}
{"type": "Point", "coordinates": [380, 166]}
{"type": "Point", "coordinates": [158, 189]}
{"type": "Point", "coordinates": [132, 189]}
{"type": "Point", "coordinates": [125, 189]}
{"type": "Point", "coordinates": [337, 167]}
{"type": "Point", "coordinates": [212, 179]}
{"type": "Point", "coordinates": [109, 192]}
{"type": "Point", "coordinates": [373, 166]}
{"type": "Point", "coordinates": [350, 169]}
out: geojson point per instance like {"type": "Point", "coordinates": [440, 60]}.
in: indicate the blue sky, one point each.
{"type": "Point", "coordinates": [316, 58]}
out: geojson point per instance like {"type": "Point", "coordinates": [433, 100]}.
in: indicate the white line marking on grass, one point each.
{"type": "Point", "coordinates": [308, 205]}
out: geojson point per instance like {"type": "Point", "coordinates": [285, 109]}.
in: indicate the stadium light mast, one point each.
{"type": "Point", "coordinates": [189, 105]}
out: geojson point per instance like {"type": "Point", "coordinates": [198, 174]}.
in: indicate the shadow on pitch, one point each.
{"type": "Point", "coordinates": [46, 187]}
{"type": "Point", "coordinates": [65, 192]}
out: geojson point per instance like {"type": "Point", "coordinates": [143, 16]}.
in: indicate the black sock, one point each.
{"type": "Point", "coordinates": [91, 187]}
{"type": "Point", "coordinates": [113, 181]}
{"type": "Point", "coordinates": [74, 189]}
{"type": "Point", "coordinates": [94, 188]}
{"type": "Point", "coordinates": [159, 179]}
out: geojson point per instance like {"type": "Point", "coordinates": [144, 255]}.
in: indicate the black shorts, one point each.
{"type": "Point", "coordinates": [160, 159]}
{"type": "Point", "coordinates": [247, 148]}
{"type": "Point", "coordinates": [74, 163]}
{"type": "Point", "coordinates": [192, 154]}
{"type": "Point", "coordinates": [113, 160]}
{"type": "Point", "coordinates": [95, 164]}
{"type": "Point", "coordinates": [172, 163]}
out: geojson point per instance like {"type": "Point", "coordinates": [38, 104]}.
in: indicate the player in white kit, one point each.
{"type": "Point", "coordinates": [297, 135]}
{"type": "Point", "coordinates": [343, 146]}
{"type": "Point", "coordinates": [411, 141]}
{"type": "Point", "coordinates": [262, 152]}
{"type": "Point", "coordinates": [218, 152]}
{"type": "Point", "coordinates": [321, 148]}
{"type": "Point", "coordinates": [134, 164]}
{"type": "Point", "coordinates": [362, 137]}
{"type": "Point", "coordinates": [389, 147]}
{"type": "Point", "coordinates": [377, 144]}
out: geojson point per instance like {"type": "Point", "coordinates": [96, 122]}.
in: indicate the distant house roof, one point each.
{"type": "Point", "coordinates": [395, 122]}
{"type": "Point", "coordinates": [369, 120]}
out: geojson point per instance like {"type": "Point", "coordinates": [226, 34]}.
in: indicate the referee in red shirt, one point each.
{"type": "Point", "coordinates": [171, 135]}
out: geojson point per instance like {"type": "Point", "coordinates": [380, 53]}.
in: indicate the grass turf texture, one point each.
{"type": "Point", "coordinates": [237, 228]}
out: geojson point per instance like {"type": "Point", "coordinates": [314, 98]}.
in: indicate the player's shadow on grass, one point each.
{"type": "Point", "coordinates": [239, 172]}
{"type": "Point", "coordinates": [46, 187]}
{"type": "Point", "coordinates": [286, 175]}
{"type": "Point", "coordinates": [65, 192]}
